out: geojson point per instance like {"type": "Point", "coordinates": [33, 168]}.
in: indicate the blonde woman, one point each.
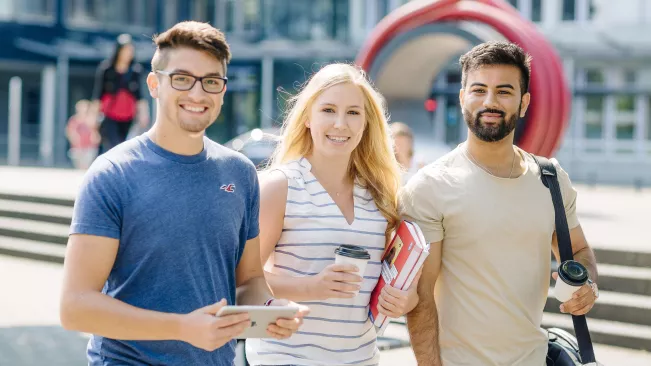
{"type": "Point", "coordinates": [332, 180]}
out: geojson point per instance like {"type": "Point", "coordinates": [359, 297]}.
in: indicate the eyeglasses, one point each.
{"type": "Point", "coordinates": [185, 82]}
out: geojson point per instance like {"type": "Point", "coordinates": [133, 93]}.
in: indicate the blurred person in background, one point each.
{"type": "Point", "coordinates": [83, 136]}
{"type": "Point", "coordinates": [403, 140]}
{"type": "Point", "coordinates": [117, 95]}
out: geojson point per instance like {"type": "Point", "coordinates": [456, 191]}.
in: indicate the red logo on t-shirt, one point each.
{"type": "Point", "coordinates": [230, 188]}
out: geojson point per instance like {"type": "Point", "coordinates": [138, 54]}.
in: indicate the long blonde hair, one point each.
{"type": "Point", "coordinates": [373, 162]}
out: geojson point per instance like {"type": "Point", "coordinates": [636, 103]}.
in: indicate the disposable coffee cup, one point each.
{"type": "Point", "coordinates": [571, 276]}
{"type": "Point", "coordinates": [352, 254]}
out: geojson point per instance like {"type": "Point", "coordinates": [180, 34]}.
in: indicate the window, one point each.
{"type": "Point", "coordinates": [34, 7]}
{"type": "Point", "coordinates": [170, 13]}
{"type": "Point", "coordinates": [141, 13]}
{"type": "Point", "coordinates": [99, 13]}
{"type": "Point", "coordinates": [453, 121]}
{"type": "Point", "coordinates": [594, 77]}
{"type": "Point", "coordinates": [536, 10]}
{"type": "Point", "coordinates": [630, 77]}
{"type": "Point", "coordinates": [5, 9]}
{"type": "Point", "coordinates": [453, 78]}
{"type": "Point", "coordinates": [591, 9]}
{"type": "Point", "coordinates": [203, 11]}
{"type": "Point", "coordinates": [569, 10]}
{"type": "Point", "coordinates": [383, 8]}
{"type": "Point", "coordinates": [594, 116]}
{"type": "Point", "coordinates": [625, 117]}
{"type": "Point", "coordinates": [302, 20]}
{"type": "Point", "coordinates": [251, 10]}
{"type": "Point", "coordinates": [27, 9]}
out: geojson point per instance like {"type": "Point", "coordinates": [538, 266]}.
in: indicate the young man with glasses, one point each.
{"type": "Point", "coordinates": [165, 226]}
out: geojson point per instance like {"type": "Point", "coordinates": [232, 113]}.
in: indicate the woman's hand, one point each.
{"type": "Point", "coordinates": [395, 303]}
{"type": "Point", "coordinates": [335, 281]}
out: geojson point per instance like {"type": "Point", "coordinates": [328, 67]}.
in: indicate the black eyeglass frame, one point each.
{"type": "Point", "coordinates": [196, 78]}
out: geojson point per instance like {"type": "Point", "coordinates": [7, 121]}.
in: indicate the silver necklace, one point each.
{"type": "Point", "coordinates": [469, 155]}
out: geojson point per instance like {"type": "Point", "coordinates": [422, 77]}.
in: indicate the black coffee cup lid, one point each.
{"type": "Point", "coordinates": [352, 251]}
{"type": "Point", "coordinates": [573, 273]}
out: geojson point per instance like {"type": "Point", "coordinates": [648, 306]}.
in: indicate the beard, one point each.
{"type": "Point", "coordinates": [492, 133]}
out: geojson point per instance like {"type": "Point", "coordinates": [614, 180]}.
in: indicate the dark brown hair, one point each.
{"type": "Point", "coordinates": [194, 35]}
{"type": "Point", "coordinates": [497, 53]}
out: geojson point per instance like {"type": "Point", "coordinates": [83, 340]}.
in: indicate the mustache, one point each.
{"type": "Point", "coordinates": [489, 110]}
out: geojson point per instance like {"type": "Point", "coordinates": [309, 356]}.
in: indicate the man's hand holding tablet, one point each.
{"type": "Point", "coordinates": [278, 318]}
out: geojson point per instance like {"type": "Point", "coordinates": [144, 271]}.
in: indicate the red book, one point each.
{"type": "Point", "coordinates": [400, 263]}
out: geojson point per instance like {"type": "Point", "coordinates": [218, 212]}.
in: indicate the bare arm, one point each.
{"type": "Point", "coordinates": [330, 283]}
{"type": "Point", "coordinates": [85, 308]}
{"type": "Point", "coordinates": [584, 298]}
{"type": "Point", "coordinates": [423, 322]}
{"type": "Point", "coordinates": [581, 250]}
{"type": "Point", "coordinates": [273, 198]}
{"type": "Point", "coordinates": [252, 288]}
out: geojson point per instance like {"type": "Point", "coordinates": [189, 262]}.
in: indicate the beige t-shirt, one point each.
{"type": "Point", "coordinates": [495, 270]}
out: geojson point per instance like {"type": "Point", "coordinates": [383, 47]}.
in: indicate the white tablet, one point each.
{"type": "Point", "coordinates": [261, 317]}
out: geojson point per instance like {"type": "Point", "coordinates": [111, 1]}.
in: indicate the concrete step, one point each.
{"type": "Point", "coordinates": [33, 230]}
{"type": "Point", "coordinates": [55, 214]}
{"type": "Point", "coordinates": [606, 332]}
{"type": "Point", "coordinates": [623, 308]}
{"type": "Point", "coordinates": [37, 199]}
{"type": "Point", "coordinates": [622, 279]}
{"type": "Point", "coordinates": [23, 248]}
{"type": "Point", "coordinates": [624, 257]}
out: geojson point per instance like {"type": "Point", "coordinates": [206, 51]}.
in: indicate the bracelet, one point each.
{"type": "Point", "coordinates": [268, 302]}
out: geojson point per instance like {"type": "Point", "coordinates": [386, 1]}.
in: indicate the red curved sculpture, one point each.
{"type": "Point", "coordinates": [549, 112]}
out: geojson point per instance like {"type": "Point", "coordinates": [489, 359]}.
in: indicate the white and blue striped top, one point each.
{"type": "Point", "coordinates": [337, 331]}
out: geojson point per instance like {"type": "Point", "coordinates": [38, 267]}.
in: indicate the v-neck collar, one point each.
{"type": "Point", "coordinates": [359, 192]}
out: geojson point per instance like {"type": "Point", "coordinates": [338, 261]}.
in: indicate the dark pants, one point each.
{"type": "Point", "coordinates": [113, 133]}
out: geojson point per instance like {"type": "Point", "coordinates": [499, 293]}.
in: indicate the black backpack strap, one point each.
{"type": "Point", "coordinates": [550, 180]}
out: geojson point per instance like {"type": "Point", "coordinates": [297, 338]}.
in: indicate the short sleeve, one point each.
{"type": "Point", "coordinates": [569, 195]}
{"type": "Point", "coordinates": [98, 207]}
{"type": "Point", "coordinates": [254, 207]}
{"type": "Point", "coordinates": [420, 205]}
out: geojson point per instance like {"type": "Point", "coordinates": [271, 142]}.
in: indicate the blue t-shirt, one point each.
{"type": "Point", "coordinates": [182, 222]}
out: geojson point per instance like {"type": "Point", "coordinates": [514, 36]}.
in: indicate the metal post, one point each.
{"type": "Point", "coordinates": [267, 91]}
{"type": "Point", "coordinates": [15, 103]}
{"type": "Point", "coordinates": [48, 107]}
{"type": "Point", "coordinates": [62, 108]}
